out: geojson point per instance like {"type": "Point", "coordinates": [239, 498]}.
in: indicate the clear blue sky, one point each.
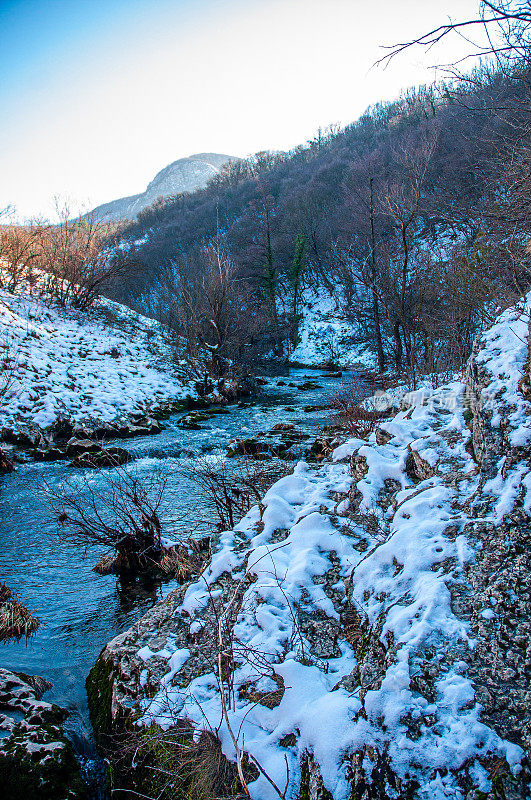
{"type": "Point", "coordinates": [98, 95]}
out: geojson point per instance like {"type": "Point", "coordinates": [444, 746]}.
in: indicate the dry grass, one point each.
{"type": "Point", "coordinates": [181, 562]}
{"type": "Point", "coordinates": [175, 764]}
{"type": "Point", "coordinates": [178, 563]}
{"type": "Point", "coordinates": [105, 566]}
{"type": "Point", "coordinates": [16, 620]}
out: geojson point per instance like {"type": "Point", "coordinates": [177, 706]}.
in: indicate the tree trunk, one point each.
{"type": "Point", "coordinates": [375, 309]}
{"type": "Point", "coordinates": [398, 346]}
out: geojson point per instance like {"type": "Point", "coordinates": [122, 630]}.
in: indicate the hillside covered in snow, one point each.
{"type": "Point", "coordinates": [101, 364]}
{"type": "Point", "coordinates": [326, 336]}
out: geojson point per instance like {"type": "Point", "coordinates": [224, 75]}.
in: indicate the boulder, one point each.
{"type": "Point", "coordinates": [62, 430]}
{"type": "Point", "coordinates": [28, 437]}
{"type": "Point", "coordinates": [235, 388]}
{"type": "Point", "coordinates": [37, 761]}
{"type": "Point", "coordinates": [49, 454]}
{"type": "Point", "coordinates": [74, 447]}
{"type": "Point", "coordinates": [109, 457]}
{"type": "Point", "coordinates": [191, 420]}
{"type": "Point", "coordinates": [308, 386]}
{"type": "Point", "coordinates": [417, 468]}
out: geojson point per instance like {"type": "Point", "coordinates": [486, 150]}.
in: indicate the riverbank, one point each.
{"type": "Point", "coordinates": [79, 610]}
{"type": "Point", "coordinates": [359, 593]}
{"type": "Point", "coordinates": [103, 364]}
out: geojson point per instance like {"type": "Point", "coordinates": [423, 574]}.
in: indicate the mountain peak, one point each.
{"type": "Point", "coordinates": [183, 175]}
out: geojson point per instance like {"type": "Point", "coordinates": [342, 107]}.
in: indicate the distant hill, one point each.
{"type": "Point", "coordinates": [183, 175]}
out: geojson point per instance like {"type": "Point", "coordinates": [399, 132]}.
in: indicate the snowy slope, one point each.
{"type": "Point", "coordinates": [370, 550]}
{"type": "Point", "coordinates": [325, 336]}
{"type": "Point", "coordinates": [104, 364]}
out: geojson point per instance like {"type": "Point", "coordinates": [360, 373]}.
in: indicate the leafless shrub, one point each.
{"type": "Point", "coordinates": [212, 312]}
{"type": "Point", "coordinates": [231, 487]}
{"type": "Point", "coordinates": [186, 759]}
{"type": "Point", "coordinates": [20, 249]}
{"type": "Point", "coordinates": [16, 620]}
{"type": "Point", "coordinates": [348, 412]}
{"type": "Point", "coordinates": [115, 509]}
{"type": "Point", "coordinates": [78, 259]}
{"type": "Point", "coordinates": [8, 368]}
{"type": "Point", "coordinates": [178, 762]}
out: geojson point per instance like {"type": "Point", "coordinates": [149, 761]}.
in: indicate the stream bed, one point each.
{"type": "Point", "coordinates": [81, 611]}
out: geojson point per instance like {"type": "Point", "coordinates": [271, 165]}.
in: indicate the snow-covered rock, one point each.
{"type": "Point", "coordinates": [362, 632]}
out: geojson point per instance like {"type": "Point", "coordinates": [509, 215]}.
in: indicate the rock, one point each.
{"type": "Point", "coordinates": [50, 454]}
{"type": "Point", "coordinates": [110, 457]}
{"type": "Point", "coordinates": [358, 467]}
{"type": "Point", "coordinates": [308, 386]}
{"type": "Point", "coordinates": [248, 447]}
{"type": "Point", "coordinates": [234, 388]}
{"type": "Point", "coordinates": [417, 468]}
{"type": "Point", "coordinates": [37, 761]}
{"type": "Point", "coordinates": [382, 437]}
{"type": "Point", "coordinates": [74, 447]}
{"type": "Point", "coordinates": [6, 461]}
{"type": "Point", "coordinates": [204, 387]}
{"type": "Point", "coordinates": [62, 430]}
{"type": "Point", "coordinates": [191, 420]}
{"type": "Point", "coordinates": [28, 437]}
{"type": "Point", "coordinates": [105, 431]}
{"type": "Point", "coordinates": [283, 426]}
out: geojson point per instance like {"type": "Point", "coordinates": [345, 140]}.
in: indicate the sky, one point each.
{"type": "Point", "coordinates": [96, 96]}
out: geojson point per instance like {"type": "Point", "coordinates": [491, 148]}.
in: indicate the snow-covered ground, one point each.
{"type": "Point", "coordinates": [326, 336]}
{"type": "Point", "coordinates": [103, 364]}
{"type": "Point", "coordinates": [327, 546]}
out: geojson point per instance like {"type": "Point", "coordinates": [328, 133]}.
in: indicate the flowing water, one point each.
{"type": "Point", "coordinates": [81, 611]}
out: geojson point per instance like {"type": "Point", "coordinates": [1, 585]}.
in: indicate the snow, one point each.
{"type": "Point", "coordinates": [325, 335]}
{"type": "Point", "coordinates": [397, 573]}
{"type": "Point", "coordinates": [505, 351]}
{"type": "Point", "coordinates": [106, 363]}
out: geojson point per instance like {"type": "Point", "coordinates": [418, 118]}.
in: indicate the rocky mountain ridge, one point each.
{"type": "Point", "coordinates": [184, 175]}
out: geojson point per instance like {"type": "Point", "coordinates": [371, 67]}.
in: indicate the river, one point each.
{"type": "Point", "coordinates": [81, 611]}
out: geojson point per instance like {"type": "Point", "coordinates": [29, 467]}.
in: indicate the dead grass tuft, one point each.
{"type": "Point", "coordinates": [16, 620]}
{"type": "Point", "coordinates": [180, 562]}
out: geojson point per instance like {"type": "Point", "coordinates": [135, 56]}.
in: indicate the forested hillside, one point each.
{"type": "Point", "coordinates": [413, 217]}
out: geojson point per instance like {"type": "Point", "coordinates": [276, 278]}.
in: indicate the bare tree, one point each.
{"type": "Point", "coordinates": [231, 486]}
{"type": "Point", "coordinates": [505, 34]}
{"type": "Point", "coordinates": [402, 203]}
{"type": "Point", "coordinates": [19, 252]}
{"type": "Point", "coordinates": [79, 259]}
{"type": "Point", "coordinates": [212, 309]}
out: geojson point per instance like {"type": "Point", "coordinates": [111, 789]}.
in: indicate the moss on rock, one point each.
{"type": "Point", "coordinates": [99, 685]}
